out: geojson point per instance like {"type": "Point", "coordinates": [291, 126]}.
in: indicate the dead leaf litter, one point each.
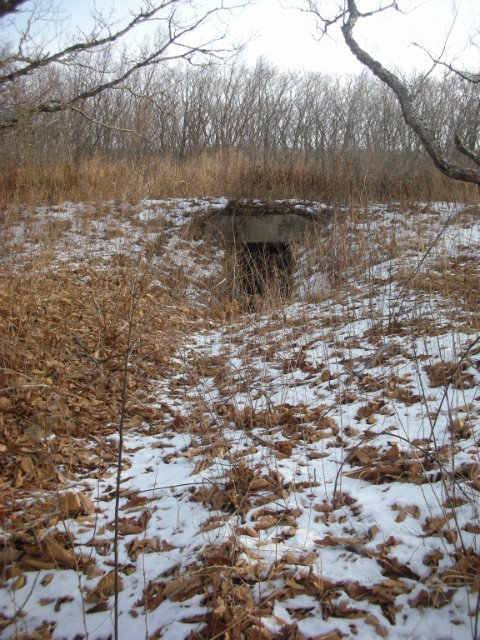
{"type": "Point", "coordinates": [310, 471]}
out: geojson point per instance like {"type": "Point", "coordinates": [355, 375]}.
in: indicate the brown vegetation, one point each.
{"type": "Point", "coordinates": [229, 173]}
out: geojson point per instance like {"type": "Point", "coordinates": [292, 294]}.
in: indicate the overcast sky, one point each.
{"type": "Point", "coordinates": [286, 36]}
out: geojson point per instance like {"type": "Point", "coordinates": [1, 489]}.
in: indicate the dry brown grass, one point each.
{"type": "Point", "coordinates": [227, 173]}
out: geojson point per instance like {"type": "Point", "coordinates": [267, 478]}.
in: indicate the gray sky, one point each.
{"type": "Point", "coordinates": [285, 36]}
{"type": "Point", "coordinates": [288, 38]}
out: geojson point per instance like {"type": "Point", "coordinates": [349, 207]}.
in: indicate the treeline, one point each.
{"type": "Point", "coordinates": [350, 127]}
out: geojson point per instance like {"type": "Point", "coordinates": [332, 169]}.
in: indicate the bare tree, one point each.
{"type": "Point", "coordinates": [181, 34]}
{"type": "Point", "coordinates": [347, 18]}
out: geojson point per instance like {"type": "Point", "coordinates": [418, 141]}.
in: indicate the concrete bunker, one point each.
{"type": "Point", "coordinates": [260, 237]}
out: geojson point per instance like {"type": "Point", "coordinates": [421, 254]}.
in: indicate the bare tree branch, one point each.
{"type": "Point", "coordinates": [437, 60]}
{"type": "Point", "coordinates": [32, 64]}
{"type": "Point", "coordinates": [174, 44]}
{"type": "Point", "coordinates": [326, 22]}
{"type": "Point", "coordinates": [465, 75]}
{"type": "Point", "coordinates": [107, 125]}
{"type": "Point", "coordinates": [466, 151]}
{"type": "Point", "coordinates": [410, 114]}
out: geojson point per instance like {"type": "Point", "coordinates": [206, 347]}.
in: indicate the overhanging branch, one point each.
{"type": "Point", "coordinates": [412, 118]}
{"type": "Point", "coordinates": [95, 43]}
{"type": "Point", "coordinates": [174, 46]}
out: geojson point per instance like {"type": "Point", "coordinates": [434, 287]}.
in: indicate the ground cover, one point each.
{"type": "Point", "coordinates": [306, 468]}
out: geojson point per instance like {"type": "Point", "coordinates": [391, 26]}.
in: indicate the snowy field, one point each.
{"type": "Point", "coordinates": [309, 470]}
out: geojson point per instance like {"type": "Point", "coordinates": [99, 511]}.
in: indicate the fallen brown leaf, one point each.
{"type": "Point", "coordinates": [105, 587]}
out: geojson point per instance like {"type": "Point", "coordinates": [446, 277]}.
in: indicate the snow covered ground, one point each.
{"type": "Point", "coordinates": [312, 471]}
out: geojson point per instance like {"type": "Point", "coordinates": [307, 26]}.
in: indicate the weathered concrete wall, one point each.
{"type": "Point", "coordinates": [263, 228]}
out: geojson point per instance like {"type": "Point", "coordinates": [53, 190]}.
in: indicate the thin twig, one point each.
{"type": "Point", "coordinates": [120, 454]}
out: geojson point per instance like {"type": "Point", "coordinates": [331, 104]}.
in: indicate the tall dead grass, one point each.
{"type": "Point", "coordinates": [229, 173]}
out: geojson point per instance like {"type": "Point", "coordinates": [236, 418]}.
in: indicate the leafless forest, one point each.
{"type": "Point", "coordinates": [230, 130]}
